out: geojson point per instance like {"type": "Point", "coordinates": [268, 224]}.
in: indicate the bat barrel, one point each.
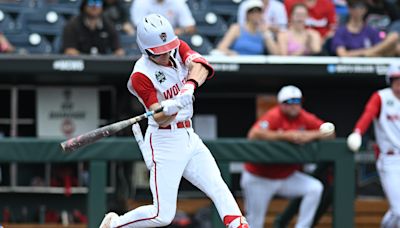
{"type": "Point", "coordinates": [92, 136]}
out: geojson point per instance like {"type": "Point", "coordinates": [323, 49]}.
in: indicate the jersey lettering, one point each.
{"type": "Point", "coordinates": [393, 117]}
{"type": "Point", "coordinates": [171, 92]}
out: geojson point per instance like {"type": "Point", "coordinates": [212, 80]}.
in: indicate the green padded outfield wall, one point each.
{"type": "Point", "coordinates": [224, 150]}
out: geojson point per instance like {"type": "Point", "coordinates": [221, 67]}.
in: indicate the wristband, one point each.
{"type": "Point", "coordinates": [192, 81]}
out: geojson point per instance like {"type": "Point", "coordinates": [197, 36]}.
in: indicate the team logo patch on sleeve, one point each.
{"type": "Point", "coordinates": [160, 76]}
{"type": "Point", "coordinates": [263, 124]}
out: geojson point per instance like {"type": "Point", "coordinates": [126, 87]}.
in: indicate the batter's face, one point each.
{"type": "Point", "coordinates": [396, 87]}
{"type": "Point", "coordinates": [162, 59]}
{"type": "Point", "coordinates": [291, 110]}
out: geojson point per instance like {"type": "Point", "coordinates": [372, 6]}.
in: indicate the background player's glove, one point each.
{"type": "Point", "coordinates": [185, 96]}
{"type": "Point", "coordinates": [171, 107]}
{"type": "Point", "coordinates": [354, 141]}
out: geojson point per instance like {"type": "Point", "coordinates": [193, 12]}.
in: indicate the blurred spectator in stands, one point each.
{"type": "Point", "coordinates": [298, 39]}
{"type": "Point", "coordinates": [5, 46]}
{"type": "Point", "coordinates": [356, 38]}
{"type": "Point", "coordinates": [382, 13]}
{"type": "Point", "coordinates": [260, 182]}
{"type": "Point", "coordinates": [90, 32]}
{"type": "Point", "coordinates": [342, 11]}
{"type": "Point", "coordinates": [176, 11]}
{"type": "Point", "coordinates": [321, 15]}
{"type": "Point", "coordinates": [115, 11]}
{"type": "Point", "coordinates": [251, 38]}
{"type": "Point", "coordinates": [274, 15]}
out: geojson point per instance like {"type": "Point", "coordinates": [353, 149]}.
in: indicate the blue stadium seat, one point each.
{"type": "Point", "coordinates": [30, 43]}
{"type": "Point", "coordinates": [128, 43]}
{"type": "Point", "coordinates": [198, 5]}
{"type": "Point", "coordinates": [7, 24]}
{"type": "Point", "coordinates": [42, 21]}
{"type": "Point", "coordinates": [17, 6]}
{"type": "Point", "coordinates": [67, 8]}
{"type": "Point", "coordinates": [225, 8]}
{"type": "Point", "coordinates": [198, 43]}
{"type": "Point", "coordinates": [210, 24]}
{"type": "Point", "coordinates": [56, 45]}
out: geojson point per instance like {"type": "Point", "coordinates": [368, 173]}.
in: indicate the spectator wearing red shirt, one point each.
{"type": "Point", "coordinates": [260, 182]}
{"type": "Point", "coordinates": [321, 15]}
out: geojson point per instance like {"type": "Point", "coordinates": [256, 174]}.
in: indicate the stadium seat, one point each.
{"type": "Point", "coordinates": [198, 43]}
{"type": "Point", "coordinates": [198, 5]}
{"type": "Point", "coordinates": [7, 24]}
{"type": "Point", "coordinates": [30, 43]}
{"type": "Point", "coordinates": [128, 43]}
{"type": "Point", "coordinates": [43, 22]}
{"type": "Point", "coordinates": [225, 8]}
{"type": "Point", "coordinates": [56, 45]}
{"type": "Point", "coordinates": [17, 6]}
{"type": "Point", "coordinates": [67, 8]}
{"type": "Point", "coordinates": [210, 24]}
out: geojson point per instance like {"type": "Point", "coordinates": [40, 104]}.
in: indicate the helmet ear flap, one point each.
{"type": "Point", "coordinates": [148, 52]}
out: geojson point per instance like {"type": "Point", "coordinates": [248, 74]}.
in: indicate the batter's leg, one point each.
{"type": "Point", "coordinates": [257, 193]}
{"type": "Point", "coordinates": [203, 172]}
{"type": "Point", "coordinates": [310, 189]}
{"type": "Point", "coordinates": [168, 161]}
{"type": "Point", "coordinates": [389, 173]}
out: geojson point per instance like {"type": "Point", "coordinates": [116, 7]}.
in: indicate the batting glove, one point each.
{"type": "Point", "coordinates": [171, 107]}
{"type": "Point", "coordinates": [185, 96]}
{"type": "Point", "coordinates": [354, 141]}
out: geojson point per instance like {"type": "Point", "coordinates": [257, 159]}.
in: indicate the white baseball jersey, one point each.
{"type": "Point", "coordinates": [387, 133]}
{"type": "Point", "coordinates": [173, 153]}
{"type": "Point", "coordinates": [387, 126]}
{"type": "Point", "coordinates": [167, 81]}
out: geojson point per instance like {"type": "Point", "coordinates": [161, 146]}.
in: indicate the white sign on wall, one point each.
{"type": "Point", "coordinates": [66, 111]}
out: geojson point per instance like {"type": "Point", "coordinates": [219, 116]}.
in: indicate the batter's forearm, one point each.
{"type": "Point", "coordinates": [161, 118]}
{"type": "Point", "coordinates": [198, 72]}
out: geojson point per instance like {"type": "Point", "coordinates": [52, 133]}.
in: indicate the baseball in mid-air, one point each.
{"type": "Point", "coordinates": [327, 128]}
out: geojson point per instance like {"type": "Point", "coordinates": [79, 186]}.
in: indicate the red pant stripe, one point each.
{"type": "Point", "coordinates": [155, 181]}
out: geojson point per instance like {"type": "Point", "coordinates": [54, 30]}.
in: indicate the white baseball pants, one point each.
{"type": "Point", "coordinates": [388, 167]}
{"type": "Point", "coordinates": [258, 192]}
{"type": "Point", "coordinates": [169, 155]}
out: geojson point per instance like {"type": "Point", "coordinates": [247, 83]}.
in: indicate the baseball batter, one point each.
{"type": "Point", "coordinates": [167, 75]}
{"type": "Point", "coordinates": [260, 182]}
{"type": "Point", "coordinates": [383, 108]}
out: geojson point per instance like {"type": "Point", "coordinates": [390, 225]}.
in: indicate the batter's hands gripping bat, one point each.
{"type": "Point", "coordinates": [92, 136]}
